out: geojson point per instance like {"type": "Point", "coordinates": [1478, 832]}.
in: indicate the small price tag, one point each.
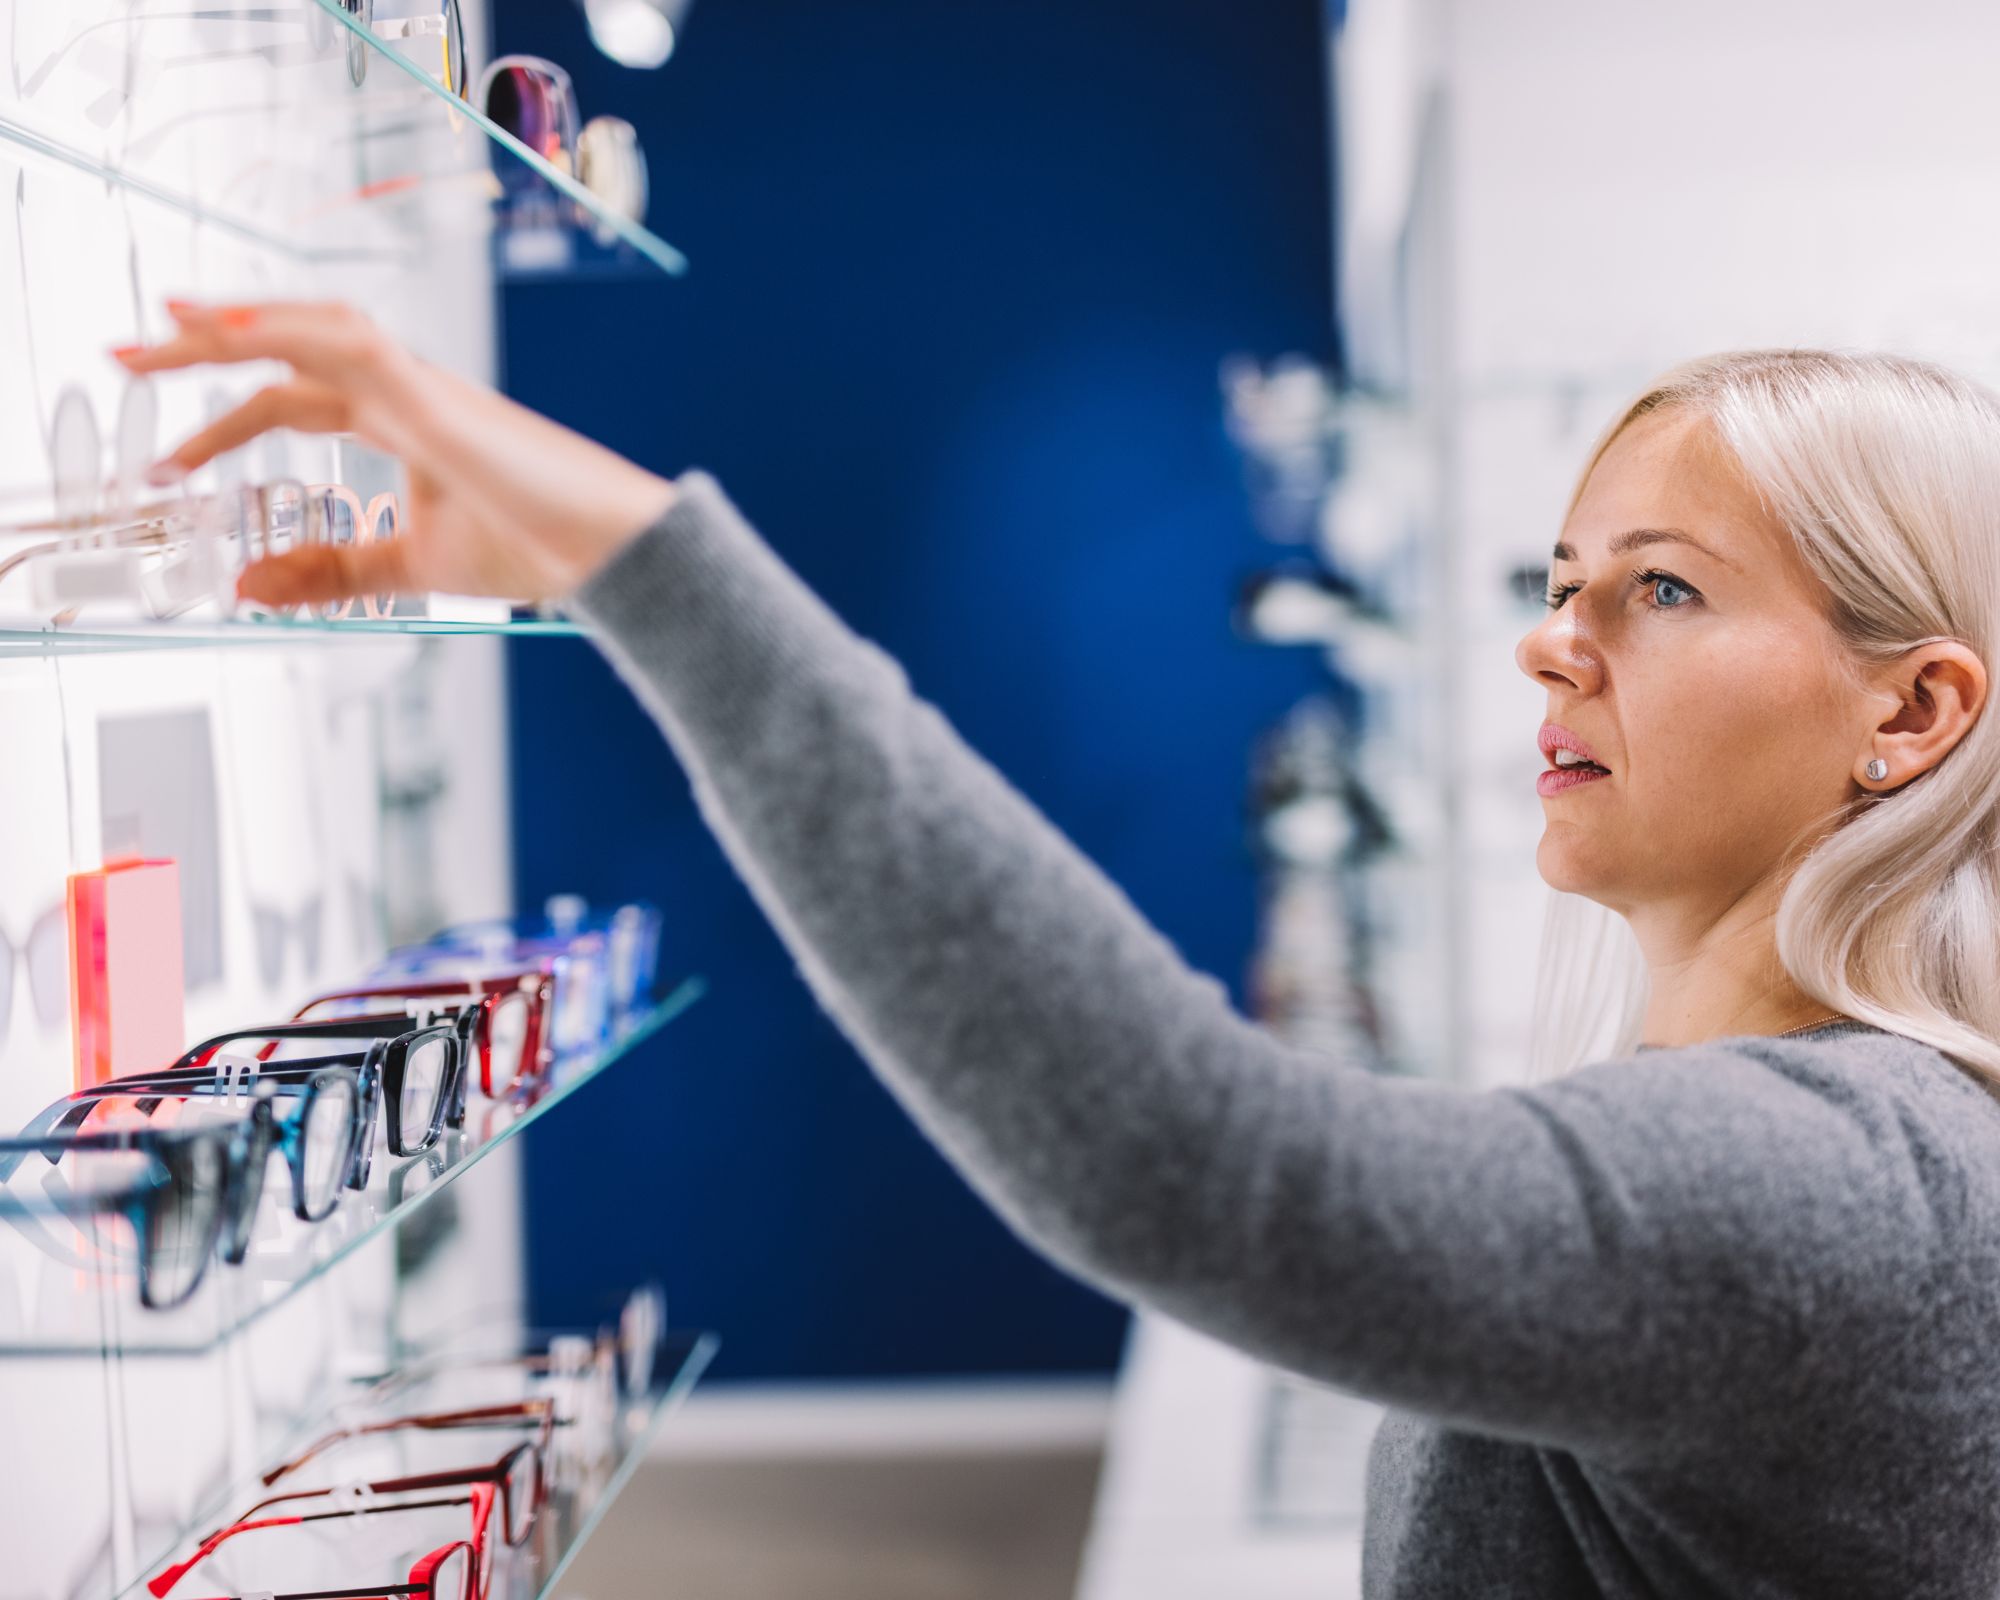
{"type": "Point", "coordinates": [238, 1075]}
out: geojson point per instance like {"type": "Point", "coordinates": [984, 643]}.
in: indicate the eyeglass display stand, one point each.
{"type": "Point", "coordinates": [580, 1494]}
{"type": "Point", "coordinates": [96, 1309]}
{"type": "Point", "coordinates": [287, 148]}
{"type": "Point", "coordinates": [148, 1378]}
{"type": "Point", "coordinates": [232, 151]}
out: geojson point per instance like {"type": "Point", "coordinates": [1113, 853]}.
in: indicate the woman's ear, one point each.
{"type": "Point", "coordinates": [1937, 691]}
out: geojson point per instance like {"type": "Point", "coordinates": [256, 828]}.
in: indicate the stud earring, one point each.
{"type": "Point", "coordinates": [1878, 769]}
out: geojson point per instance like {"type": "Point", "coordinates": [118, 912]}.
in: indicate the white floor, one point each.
{"type": "Point", "coordinates": [1200, 1474]}
{"type": "Point", "coordinates": [1221, 1479]}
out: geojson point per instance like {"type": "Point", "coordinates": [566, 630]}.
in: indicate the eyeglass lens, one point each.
{"type": "Point", "coordinates": [183, 1221]}
{"type": "Point", "coordinates": [326, 1138]}
{"type": "Point", "coordinates": [76, 458]}
{"type": "Point", "coordinates": [424, 1070]}
{"type": "Point", "coordinates": [47, 953]}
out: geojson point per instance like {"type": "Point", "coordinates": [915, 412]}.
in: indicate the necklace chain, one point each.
{"type": "Point", "coordinates": [1819, 1022]}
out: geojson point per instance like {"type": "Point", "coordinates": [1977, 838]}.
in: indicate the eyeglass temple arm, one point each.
{"type": "Point", "coordinates": [430, 1420]}
{"type": "Point", "coordinates": [344, 1028]}
{"type": "Point", "coordinates": [163, 1584]}
{"type": "Point", "coordinates": [457, 1478]}
{"type": "Point", "coordinates": [375, 1592]}
{"type": "Point", "coordinates": [54, 1144]}
{"type": "Point", "coordinates": [152, 1090]}
{"type": "Point", "coordinates": [468, 991]}
{"type": "Point", "coordinates": [194, 1080]}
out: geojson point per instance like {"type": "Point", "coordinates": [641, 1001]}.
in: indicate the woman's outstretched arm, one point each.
{"type": "Point", "coordinates": [1600, 1263]}
{"type": "Point", "coordinates": [1629, 1262]}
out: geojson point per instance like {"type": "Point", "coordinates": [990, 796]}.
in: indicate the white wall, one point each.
{"type": "Point", "coordinates": [1628, 187]}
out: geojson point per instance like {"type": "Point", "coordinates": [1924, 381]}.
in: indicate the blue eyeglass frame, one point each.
{"type": "Point", "coordinates": [241, 1150]}
{"type": "Point", "coordinates": [302, 1083]}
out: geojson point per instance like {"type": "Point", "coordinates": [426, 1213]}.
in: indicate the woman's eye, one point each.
{"type": "Point", "coordinates": [1663, 586]}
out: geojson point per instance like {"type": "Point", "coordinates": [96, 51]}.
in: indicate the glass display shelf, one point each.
{"type": "Point", "coordinates": [581, 1492]}
{"type": "Point", "coordinates": [101, 638]}
{"type": "Point", "coordinates": [297, 127]}
{"type": "Point", "coordinates": [68, 1290]}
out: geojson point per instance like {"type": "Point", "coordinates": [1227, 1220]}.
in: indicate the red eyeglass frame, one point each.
{"type": "Point", "coordinates": [537, 983]}
{"type": "Point", "coordinates": [494, 1477]}
{"type": "Point", "coordinates": [479, 1572]}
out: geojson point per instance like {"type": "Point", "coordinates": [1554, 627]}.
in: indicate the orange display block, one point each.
{"type": "Point", "coordinates": [125, 974]}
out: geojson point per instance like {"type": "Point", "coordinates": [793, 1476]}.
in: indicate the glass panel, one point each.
{"type": "Point", "coordinates": [78, 1295]}
{"type": "Point", "coordinates": [103, 638]}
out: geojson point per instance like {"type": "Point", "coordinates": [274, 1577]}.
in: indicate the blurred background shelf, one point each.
{"type": "Point", "coordinates": [83, 1311]}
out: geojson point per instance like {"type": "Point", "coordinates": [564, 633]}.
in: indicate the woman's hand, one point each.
{"type": "Point", "coordinates": [501, 501]}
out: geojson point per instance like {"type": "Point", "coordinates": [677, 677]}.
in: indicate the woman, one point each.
{"type": "Point", "coordinates": [1707, 1319]}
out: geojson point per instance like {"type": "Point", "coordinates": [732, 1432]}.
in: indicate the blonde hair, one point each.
{"type": "Point", "coordinates": [1886, 472]}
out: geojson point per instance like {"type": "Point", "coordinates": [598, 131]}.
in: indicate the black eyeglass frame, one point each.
{"type": "Point", "coordinates": [392, 1040]}
{"type": "Point", "coordinates": [304, 1083]}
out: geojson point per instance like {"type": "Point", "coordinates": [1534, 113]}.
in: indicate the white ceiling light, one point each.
{"type": "Point", "coordinates": [635, 33]}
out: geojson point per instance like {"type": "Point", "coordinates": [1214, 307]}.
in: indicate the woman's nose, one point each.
{"type": "Point", "coordinates": [1551, 653]}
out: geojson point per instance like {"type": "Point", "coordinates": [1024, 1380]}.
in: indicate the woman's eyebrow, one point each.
{"type": "Point", "coordinates": [1634, 538]}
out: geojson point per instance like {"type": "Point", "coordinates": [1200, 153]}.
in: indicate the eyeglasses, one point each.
{"type": "Point", "coordinates": [271, 518]}
{"type": "Point", "coordinates": [318, 1121]}
{"type": "Point", "coordinates": [611, 164]}
{"type": "Point", "coordinates": [195, 1183]}
{"type": "Point", "coordinates": [461, 1570]}
{"type": "Point", "coordinates": [166, 555]}
{"type": "Point", "coordinates": [277, 929]}
{"type": "Point", "coordinates": [517, 1478]}
{"type": "Point", "coordinates": [630, 935]}
{"type": "Point", "coordinates": [532, 98]}
{"type": "Point", "coordinates": [440, 23]}
{"type": "Point", "coordinates": [45, 951]}
{"type": "Point", "coordinates": [624, 1355]}
{"type": "Point", "coordinates": [510, 1018]}
{"type": "Point", "coordinates": [538, 1414]}
{"type": "Point", "coordinates": [443, 24]}
{"type": "Point", "coordinates": [421, 1070]}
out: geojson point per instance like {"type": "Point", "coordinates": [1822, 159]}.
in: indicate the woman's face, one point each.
{"type": "Point", "coordinates": [1698, 670]}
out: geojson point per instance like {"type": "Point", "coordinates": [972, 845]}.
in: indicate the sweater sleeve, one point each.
{"type": "Point", "coordinates": [1623, 1261]}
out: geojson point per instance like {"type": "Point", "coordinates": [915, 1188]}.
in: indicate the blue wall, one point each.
{"type": "Point", "coordinates": [962, 277]}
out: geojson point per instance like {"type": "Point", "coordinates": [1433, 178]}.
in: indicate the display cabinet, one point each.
{"type": "Point", "coordinates": [328, 789]}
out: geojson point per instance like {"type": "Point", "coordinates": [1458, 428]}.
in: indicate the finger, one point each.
{"type": "Point", "coordinates": [331, 341]}
{"type": "Point", "coordinates": [328, 572]}
{"type": "Point", "coordinates": [301, 405]}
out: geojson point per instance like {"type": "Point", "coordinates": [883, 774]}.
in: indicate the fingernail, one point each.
{"type": "Point", "coordinates": [238, 316]}
{"type": "Point", "coordinates": [181, 307]}
{"type": "Point", "coordinates": [121, 351]}
{"type": "Point", "coordinates": [164, 474]}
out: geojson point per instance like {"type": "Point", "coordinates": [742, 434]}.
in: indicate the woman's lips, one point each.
{"type": "Point", "coordinates": [1555, 780]}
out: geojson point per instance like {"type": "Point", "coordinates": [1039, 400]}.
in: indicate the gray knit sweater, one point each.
{"type": "Point", "coordinates": [1712, 1320]}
